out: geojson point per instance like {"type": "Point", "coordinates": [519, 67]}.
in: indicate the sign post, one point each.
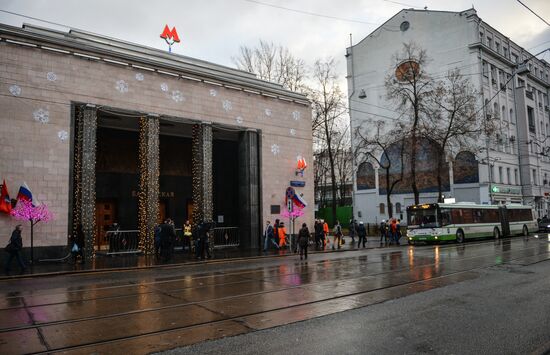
{"type": "Point", "coordinates": [289, 207]}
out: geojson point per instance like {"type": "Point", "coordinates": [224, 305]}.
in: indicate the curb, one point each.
{"type": "Point", "coordinates": [182, 264]}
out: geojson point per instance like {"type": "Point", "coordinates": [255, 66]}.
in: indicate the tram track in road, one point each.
{"type": "Point", "coordinates": [243, 277]}
{"type": "Point", "coordinates": [403, 285]}
{"type": "Point", "coordinates": [401, 291]}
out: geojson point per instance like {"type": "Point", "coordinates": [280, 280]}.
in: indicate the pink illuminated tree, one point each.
{"type": "Point", "coordinates": [25, 211]}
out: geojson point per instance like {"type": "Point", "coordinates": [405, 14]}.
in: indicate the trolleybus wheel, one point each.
{"type": "Point", "coordinates": [496, 233]}
{"type": "Point", "coordinates": [459, 236]}
{"type": "Point", "coordinates": [525, 231]}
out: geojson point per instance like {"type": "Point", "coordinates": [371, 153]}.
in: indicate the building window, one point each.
{"type": "Point", "coordinates": [497, 46]}
{"type": "Point", "coordinates": [521, 83]}
{"type": "Point", "coordinates": [512, 117]}
{"type": "Point", "coordinates": [534, 177]}
{"type": "Point", "coordinates": [504, 113]}
{"type": "Point", "coordinates": [515, 57]}
{"type": "Point", "coordinates": [531, 119]}
{"type": "Point", "coordinates": [485, 68]}
{"type": "Point", "coordinates": [493, 178]}
{"type": "Point", "coordinates": [397, 207]}
{"type": "Point", "coordinates": [489, 42]}
{"type": "Point", "coordinates": [516, 177]}
{"type": "Point", "coordinates": [505, 50]}
{"type": "Point", "coordinates": [382, 208]}
{"type": "Point", "coordinates": [508, 177]}
{"type": "Point", "coordinates": [500, 177]}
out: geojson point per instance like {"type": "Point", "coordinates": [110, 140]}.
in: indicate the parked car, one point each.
{"type": "Point", "coordinates": [544, 225]}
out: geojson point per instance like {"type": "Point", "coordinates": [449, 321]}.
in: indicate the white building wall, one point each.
{"type": "Point", "coordinates": [452, 40]}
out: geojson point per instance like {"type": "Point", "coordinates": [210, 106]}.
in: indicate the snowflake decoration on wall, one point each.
{"type": "Point", "coordinates": [41, 115]}
{"type": "Point", "coordinates": [268, 112]}
{"type": "Point", "coordinates": [15, 90]}
{"type": "Point", "coordinates": [275, 149]}
{"type": "Point", "coordinates": [239, 120]}
{"type": "Point", "coordinates": [227, 105]}
{"type": "Point", "coordinates": [51, 76]}
{"type": "Point", "coordinates": [177, 96]}
{"type": "Point", "coordinates": [63, 135]}
{"type": "Point", "coordinates": [139, 77]}
{"type": "Point", "coordinates": [213, 92]}
{"type": "Point", "coordinates": [164, 87]}
{"type": "Point", "coordinates": [293, 131]}
{"type": "Point", "coordinates": [296, 115]}
{"type": "Point", "coordinates": [121, 86]}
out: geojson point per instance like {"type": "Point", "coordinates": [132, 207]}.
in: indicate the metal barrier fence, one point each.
{"type": "Point", "coordinates": [226, 237]}
{"type": "Point", "coordinates": [123, 242]}
{"type": "Point", "coordinates": [127, 241]}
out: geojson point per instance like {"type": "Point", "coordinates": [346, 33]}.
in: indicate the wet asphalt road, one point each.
{"type": "Point", "coordinates": [144, 311]}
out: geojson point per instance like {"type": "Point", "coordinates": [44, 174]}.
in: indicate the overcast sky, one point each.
{"type": "Point", "coordinates": [213, 30]}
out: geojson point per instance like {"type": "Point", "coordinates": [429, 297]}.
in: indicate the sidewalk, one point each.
{"type": "Point", "coordinates": [104, 262]}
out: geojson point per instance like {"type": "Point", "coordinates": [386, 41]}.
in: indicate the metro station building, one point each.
{"type": "Point", "coordinates": [106, 131]}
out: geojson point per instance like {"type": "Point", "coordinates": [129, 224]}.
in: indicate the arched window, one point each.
{"type": "Point", "coordinates": [512, 118]}
{"type": "Point", "coordinates": [465, 168]}
{"type": "Point", "coordinates": [382, 208]}
{"type": "Point", "coordinates": [397, 207]}
{"type": "Point", "coordinates": [365, 177]}
{"type": "Point", "coordinates": [504, 113]}
{"type": "Point", "coordinates": [495, 109]}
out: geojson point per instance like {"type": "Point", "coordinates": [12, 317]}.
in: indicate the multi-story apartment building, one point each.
{"type": "Point", "coordinates": [511, 166]}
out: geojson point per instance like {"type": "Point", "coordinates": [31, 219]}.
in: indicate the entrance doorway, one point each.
{"type": "Point", "coordinates": [105, 216]}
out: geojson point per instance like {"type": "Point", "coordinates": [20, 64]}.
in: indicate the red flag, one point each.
{"type": "Point", "coordinates": [5, 202]}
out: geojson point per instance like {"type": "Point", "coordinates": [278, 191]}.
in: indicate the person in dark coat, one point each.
{"type": "Point", "coordinates": [303, 240]}
{"type": "Point", "coordinates": [14, 248]}
{"type": "Point", "coordinates": [167, 237]}
{"type": "Point", "coordinates": [362, 234]}
{"type": "Point", "coordinates": [203, 243]}
{"type": "Point", "coordinates": [319, 234]}
{"type": "Point", "coordinates": [276, 231]}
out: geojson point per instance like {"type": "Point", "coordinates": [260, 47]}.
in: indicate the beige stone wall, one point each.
{"type": "Point", "coordinates": [32, 151]}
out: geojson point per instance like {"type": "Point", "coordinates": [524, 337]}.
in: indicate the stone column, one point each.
{"type": "Point", "coordinates": [249, 196]}
{"type": "Point", "coordinates": [149, 168]}
{"type": "Point", "coordinates": [202, 175]}
{"type": "Point", "coordinates": [88, 197]}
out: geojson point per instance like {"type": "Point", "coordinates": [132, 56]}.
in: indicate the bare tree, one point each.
{"type": "Point", "coordinates": [373, 143]}
{"type": "Point", "coordinates": [452, 123]}
{"type": "Point", "coordinates": [409, 87]}
{"type": "Point", "coordinates": [273, 63]}
{"type": "Point", "coordinates": [329, 108]}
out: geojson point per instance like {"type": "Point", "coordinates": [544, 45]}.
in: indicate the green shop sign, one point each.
{"type": "Point", "coordinates": [506, 190]}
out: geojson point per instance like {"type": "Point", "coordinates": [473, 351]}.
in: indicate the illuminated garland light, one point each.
{"type": "Point", "coordinates": [148, 203]}
{"type": "Point", "coordinates": [88, 148]}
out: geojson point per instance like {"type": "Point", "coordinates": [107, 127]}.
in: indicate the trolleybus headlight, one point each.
{"type": "Point", "coordinates": [436, 237]}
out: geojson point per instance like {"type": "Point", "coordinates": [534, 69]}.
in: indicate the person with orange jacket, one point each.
{"type": "Point", "coordinates": [282, 234]}
{"type": "Point", "coordinates": [325, 230]}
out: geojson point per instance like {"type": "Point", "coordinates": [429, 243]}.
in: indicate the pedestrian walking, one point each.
{"type": "Point", "coordinates": [383, 231]}
{"type": "Point", "coordinates": [337, 235]}
{"type": "Point", "coordinates": [352, 230]}
{"type": "Point", "coordinates": [269, 235]}
{"type": "Point", "coordinates": [393, 231]}
{"type": "Point", "coordinates": [157, 242]}
{"type": "Point", "coordinates": [325, 232]}
{"type": "Point", "coordinates": [14, 248]}
{"type": "Point", "coordinates": [362, 234]}
{"type": "Point", "coordinates": [77, 242]}
{"type": "Point", "coordinates": [282, 235]}
{"type": "Point", "coordinates": [204, 244]}
{"type": "Point", "coordinates": [398, 232]}
{"type": "Point", "coordinates": [319, 235]}
{"type": "Point", "coordinates": [187, 235]}
{"type": "Point", "coordinates": [276, 231]}
{"type": "Point", "coordinates": [303, 240]}
{"type": "Point", "coordinates": [167, 238]}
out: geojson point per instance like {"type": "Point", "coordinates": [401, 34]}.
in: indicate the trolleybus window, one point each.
{"type": "Point", "coordinates": [423, 217]}
{"type": "Point", "coordinates": [446, 217]}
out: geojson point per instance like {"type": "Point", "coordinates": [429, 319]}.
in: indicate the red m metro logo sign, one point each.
{"type": "Point", "coordinates": [170, 36]}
